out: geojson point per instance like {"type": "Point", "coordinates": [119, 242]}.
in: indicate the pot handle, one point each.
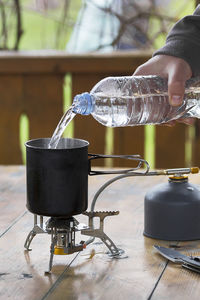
{"type": "Point", "coordinates": [136, 158]}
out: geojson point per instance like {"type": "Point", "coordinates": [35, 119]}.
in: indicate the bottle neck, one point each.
{"type": "Point", "coordinates": [83, 104]}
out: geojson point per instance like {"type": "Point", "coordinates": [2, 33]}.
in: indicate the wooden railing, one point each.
{"type": "Point", "coordinates": [32, 83]}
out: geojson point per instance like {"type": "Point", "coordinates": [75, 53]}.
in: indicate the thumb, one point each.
{"type": "Point", "coordinates": [176, 88]}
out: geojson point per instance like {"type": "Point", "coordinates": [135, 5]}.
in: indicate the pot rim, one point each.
{"type": "Point", "coordinates": [30, 144]}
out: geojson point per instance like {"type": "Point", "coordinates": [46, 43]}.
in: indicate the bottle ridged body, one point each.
{"type": "Point", "coordinates": [140, 100]}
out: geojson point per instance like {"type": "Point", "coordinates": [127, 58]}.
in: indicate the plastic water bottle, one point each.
{"type": "Point", "coordinates": [136, 100]}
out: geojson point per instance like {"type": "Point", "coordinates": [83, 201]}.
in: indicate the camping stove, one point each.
{"type": "Point", "coordinates": [63, 230]}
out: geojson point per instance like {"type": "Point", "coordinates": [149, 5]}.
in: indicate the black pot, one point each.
{"type": "Point", "coordinates": [57, 179]}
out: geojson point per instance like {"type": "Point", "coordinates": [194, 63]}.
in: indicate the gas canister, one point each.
{"type": "Point", "coordinates": [172, 210]}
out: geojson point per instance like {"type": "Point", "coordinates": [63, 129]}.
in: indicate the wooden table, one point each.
{"type": "Point", "coordinates": [90, 274]}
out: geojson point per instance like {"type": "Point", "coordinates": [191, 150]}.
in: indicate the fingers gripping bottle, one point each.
{"type": "Point", "coordinates": [137, 100]}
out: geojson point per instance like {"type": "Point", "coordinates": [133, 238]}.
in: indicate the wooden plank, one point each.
{"type": "Point", "coordinates": [177, 282]}
{"type": "Point", "coordinates": [11, 89]}
{"type": "Point", "coordinates": [43, 103]}
{"type": "Point", "coordinates": [40, 97]}
{"type": "Point", "coordinates": [101, 278]}
{"type": "Point", "coordinates": [22, 273]}
{"type": "Point", "coordinates": [12, 195]}
{"type": "Point", "coordinates": [170, 146]}
{"type": "Point", "coordinates": [128, 140]}
{"type": "Point", "coordinates": [48, 61]}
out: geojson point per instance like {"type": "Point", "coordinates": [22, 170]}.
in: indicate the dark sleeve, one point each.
{"type": "Point", "coordinates": [183, 41]}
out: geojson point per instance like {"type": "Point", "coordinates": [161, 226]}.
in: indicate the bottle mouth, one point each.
{"type": "Point", "coordinates": [83, 104]}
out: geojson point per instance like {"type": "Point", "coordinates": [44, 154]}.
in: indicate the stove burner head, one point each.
{"type": "Point", "coordinates": [64, 224]}
{"type": "Point", "coordinates": [63, 235]}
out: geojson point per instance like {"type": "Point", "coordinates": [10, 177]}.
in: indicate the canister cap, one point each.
{"type": "Point", "coordinates": [179, 178]}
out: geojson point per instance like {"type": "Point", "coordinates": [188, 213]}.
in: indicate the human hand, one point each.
{"type": "Point", "coordinates": [177, 71]}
